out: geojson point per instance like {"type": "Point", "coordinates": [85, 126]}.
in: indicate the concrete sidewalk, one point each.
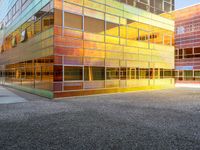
{"type": "Point", "coordinates": [7, 97]}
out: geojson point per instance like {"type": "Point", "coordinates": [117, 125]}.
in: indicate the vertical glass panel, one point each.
{"type": "Point", "coordinates": [144, 1]}
{"type": "Point", "coordinates": [167, 73]}
{"type": "Point", "coordinates": [58, 73]}
{"type": "Point", "coordinates": [132, 73]}
{"type": "Point", "coordinates": [197, 73]}
{"type": "Point", "coordinates": [38, 73]}
{"type": "Point", "coordinates": [132, 33]}
{"type": "Point", "coordinates": [130, 2]}
{"type": "Point", "coordinates": [38, 26]}
{"type": "Point", "coordinates": [156, 73]}
{"type": "Point", "coordinates": [123, 73]}
{"type": "Point", "coordinates": [94, 25]}
{"type": "Point", "coordinates": [30, 31]}
{"type": "Point", "coordinates": [58, 17]}
{"type": "Point", "coordinates": [167, 40]}
{"type": "Point", "coordinates": [73, 21]}
{"type": "Point", "coordinates": [112, 73]}
{"type": "Point", "coordinates": [47, 21]}
{"type": "Point", "coordinates": [143, 35]}
{"type": "Point", "coordinates": [144, 73]}
{"type": "Point", "coordinates": [159, 5]}
{"type": "Point", "coordinates": [112, 29]}
{"type": "Point", "coordinates": [167, 7]}
{"type": "Point", "coordinates": [161, 73]}
{"type": "Point", "coordinates": [73, 73]}
{"type": "Point", "coordinates": [94, 73]}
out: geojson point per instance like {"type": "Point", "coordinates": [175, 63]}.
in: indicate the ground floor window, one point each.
{"type": "Point", "coordinates": [144, 73]}
{"type": "Point", "coordinates": [73, 73]}
{"type": "Point", "coordinates": [112, 73]}
{"type": "Point", "coordinates": [123, 73]}
{"type": "Point", "coordinates": [94, 73]}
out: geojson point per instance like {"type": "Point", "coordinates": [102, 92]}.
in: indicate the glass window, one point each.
{"type": "Point", "coordinates": [188, 74]}
{"type": "Point", "coordinates": [73, 73]}
{"type": "Point", "coordinates": [38, 73]}
{"type": "Point", "coordinates": [144, 1]}
{"type": "Point", "coordinates": [197, 73]}
{"type": "Point", "coordinates": [47, 21]}
{"type": "Point", "coordinates": [23, 1]}
{"type": "Point", "coordinates": [167, 40]}
{"type": "Point", "coordinates": [94, 73]}
{"type": "Point", "coordinates": [130, 2]}
{"type": "Point", "coordinates": [197, 50]}
{"type": "Point", "coordinates": [58, 17]}
{"type": "Point", "coordinates": [123, 74]}
{"type": "Point", "coordinates": [112, 73]}
{"type": "Point", "coordinates": [112, 29]}
{"type": "Point", "coordinates": [94, 25]}
{"type": "Point", "coordinates": [38, 26]}
{"type": "Point", "coordinates": [144, 73]}
{"type": "Point", "coordinates": [58, 73]}
{"type": "Point", "coordinates": [159, 4]}
{"type": "Point", "coordinates": [161, 73]}
{"type": "Point", "coordinates": [73, 21]}
{"type": "Point", "coordinates": [167, 73]}
{"type": "Point", "coordinates": [24, 35]}
{"type": "Point", "coordinates": [30, 31]}
{"type": "Point", "coordinates": [167, 7]}
{"type": "Point", "coordinates": [143, 35]}
{"type": "Point", "coordinates": [132, 73]}
{"type": "Point", "coordinates": [188, 51]}
{"type": "Point", "coordinates": [17, 5]}
{"type": "Point", "coordinates": [132, 33]}
{"type": "Point", "coordinates": [156, 73]}
{"type": "Point", "coordinates": [158, 39]}
{"type": "Point", "coordinates": [142, 5]}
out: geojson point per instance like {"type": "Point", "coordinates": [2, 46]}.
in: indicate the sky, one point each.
{"type": "Point", "coordinates": [184, 3]}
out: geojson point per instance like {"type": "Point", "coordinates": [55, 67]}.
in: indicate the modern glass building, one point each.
{"type": "Point", "coordinates": [65, 48]}
{"type": "Point", "coordinates": [154, 6]}
{"type": "Point", "coordinates": [187, 43]}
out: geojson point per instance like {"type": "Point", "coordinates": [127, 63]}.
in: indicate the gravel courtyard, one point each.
{"type": "Point", "coordinates": [157, 120]}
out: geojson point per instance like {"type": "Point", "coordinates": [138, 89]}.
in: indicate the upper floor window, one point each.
{"type": "Point", "coordinates": [73, 21]}
{"type": "Point", "coordinates": [180, 30]}
{"type": "Point", "coordinates": [144, 1]}
{"type": "Point", "coordinates": [24, 1]}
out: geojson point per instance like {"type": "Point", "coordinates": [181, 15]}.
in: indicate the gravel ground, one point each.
{"type": "Point", "coordinates": [157, 120]}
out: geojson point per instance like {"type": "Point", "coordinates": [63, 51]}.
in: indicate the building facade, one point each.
{"type": "Point", "coordinates": [154, 6]}
{"type": "Point", "coordinates": [65, 48]}
{"type": "Point", "coordinates": [187, 44]}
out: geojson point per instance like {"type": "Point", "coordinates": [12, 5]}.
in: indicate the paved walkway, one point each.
{"type": "Point", "coordinates": [7, 97]}
{"type": "Point", "coordinates": [149, 120]}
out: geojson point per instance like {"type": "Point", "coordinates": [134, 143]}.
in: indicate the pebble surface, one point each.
{"type": "Point", "coordinates": [157, 120]}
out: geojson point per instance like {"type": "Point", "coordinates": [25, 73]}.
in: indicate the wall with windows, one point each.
{"type": "Point", "coordinates": [37, 73]}
{"type": "Point", "coordinates": [19, 11]}
{"type": "Point", "coordinates": [154, 6]}
{"type": "Point", "coordinates": [107, 46]}
{"type": "Point", "coordinates": [34, 35]}
{"type": "Point", "coordinates": [26, 53]}
{"type": "Point", "coordinates": [187, 53]}
{"type": "Point", "coordinates": [81, 47]}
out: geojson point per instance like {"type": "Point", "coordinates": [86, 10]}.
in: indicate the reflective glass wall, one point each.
{"type": "Point", "coordinates": [81, 47]}
{"type": "Point", "coordinates": [154, 6]}
{"type": "Point", "coordinates": [187, 44]}
{"type": "Point", "coordinates": [108, 46]}
{"type": "Point", "coordinates": [26, 48]}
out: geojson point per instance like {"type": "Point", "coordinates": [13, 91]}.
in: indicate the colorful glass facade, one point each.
{"type": "Point", "coordinates": [154, 6]}
{"type": "Point", "coordinates": [82, 47]}
{"type": "Point", "coordinates": [187, 23]}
